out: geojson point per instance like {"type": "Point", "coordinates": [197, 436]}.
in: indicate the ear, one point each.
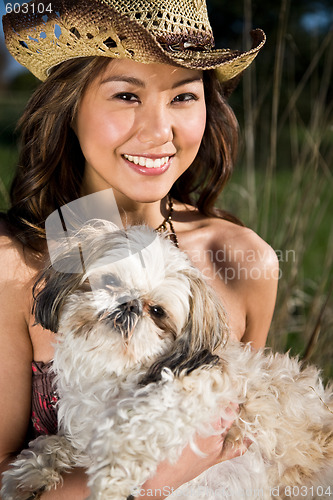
{"type": "Point", "coordinates": [49, 293]}
{"type": "Point", "coordinates": [206, 330]}
{"type": "Point", "coordinates": [207, 325]}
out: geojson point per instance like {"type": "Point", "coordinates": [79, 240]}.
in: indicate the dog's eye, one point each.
{"type": "Point", "coordinates": [157, 311]}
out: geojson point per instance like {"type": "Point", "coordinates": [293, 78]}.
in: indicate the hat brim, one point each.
{"type": "Point", "coordinates": [40, 40]}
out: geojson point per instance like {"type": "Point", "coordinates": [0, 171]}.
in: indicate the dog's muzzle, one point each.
{"type": "Point", "coordinates": [125, 317]}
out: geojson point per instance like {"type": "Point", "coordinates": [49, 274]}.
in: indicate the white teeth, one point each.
{"type": "Point", "coordinates": [147, 162]}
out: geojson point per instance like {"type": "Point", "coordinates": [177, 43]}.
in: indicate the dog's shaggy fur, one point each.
{"type": "Point", "coordinates": [143, 363]}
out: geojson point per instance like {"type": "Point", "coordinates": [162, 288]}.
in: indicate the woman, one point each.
{"type": "Point", "coordinates": [143, 113]}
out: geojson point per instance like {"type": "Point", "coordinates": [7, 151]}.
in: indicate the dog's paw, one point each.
{"type": "Point", "coordinates": [13, 491]}
{"type": "Point", "coordinates": [27, 477]}
{"type": "Point", "coordinates": [30, 473]}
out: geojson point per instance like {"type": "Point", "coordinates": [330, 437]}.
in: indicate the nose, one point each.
{"type": "Point", "coordinates": [127, 316]}
{"type": "Point", "coordinates": [155, 125]}
{"type": "Point", "coordinates": [129, 306]}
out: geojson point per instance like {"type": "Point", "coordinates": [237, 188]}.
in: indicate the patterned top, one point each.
{"type": "Point", "coordinates": [44, 400]}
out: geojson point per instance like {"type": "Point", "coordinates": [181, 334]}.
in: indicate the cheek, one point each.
{"type": "Point", "coordinates": [192, 130]}
{"type": "Point", "coordinates": [114, 128]}
{"type": "Point", "coordinates": [100, 131]}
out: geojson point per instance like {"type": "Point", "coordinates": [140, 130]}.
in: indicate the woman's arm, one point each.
{"type": "Point", "coordinates": [15, 353]}
{"type": "Point", "coordinates": [168, 477]}
{"type": "Point", "coordinates": [74, 487]}
{"type": "Point", "coordinates": [249, 273]}
{"type": "Point", "coordinates": [259, 291]}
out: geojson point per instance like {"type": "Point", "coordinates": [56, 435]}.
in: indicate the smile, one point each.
{"type": "Point", "coordinates": [147, 162]}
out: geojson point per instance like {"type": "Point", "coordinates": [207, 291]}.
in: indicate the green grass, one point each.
{"type": "Point", "coordinates": [300, 230]}
{"type": "Point", "coordinates": [280, 233]}
{"type": "Point", "coordinates": [8, 160]}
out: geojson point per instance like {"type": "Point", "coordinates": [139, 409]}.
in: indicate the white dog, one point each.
{"type": "Point", "coordinates": [143, 364]}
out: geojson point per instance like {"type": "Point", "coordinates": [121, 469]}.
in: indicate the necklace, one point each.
{"type": "Point", "coordinates": [167, 225]}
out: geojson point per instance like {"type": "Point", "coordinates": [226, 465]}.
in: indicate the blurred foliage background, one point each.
{"type": "Point", "coordinates": [283, 183]}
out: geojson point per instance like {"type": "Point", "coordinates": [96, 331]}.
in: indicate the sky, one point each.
{"type": "Point", "coordinates": [13, 67]}
{"type": "Point", "coordinates": [319, 20]}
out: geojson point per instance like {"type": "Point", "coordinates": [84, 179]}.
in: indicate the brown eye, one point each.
{"type": "Point", "coordinates": [157, 312]}
{"type": "Point", "coordinates": [185, 98]}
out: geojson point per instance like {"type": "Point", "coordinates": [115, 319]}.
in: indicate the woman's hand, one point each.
{"type": "Point", "coordinates": [190, 465]}
{"type": "Point", "coordinates": [168, 477]}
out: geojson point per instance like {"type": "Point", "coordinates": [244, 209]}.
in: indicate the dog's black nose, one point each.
{"type": "Point", "coordinates": [127, 305]}
{"type": "Point", "coordinates": [124, 316]}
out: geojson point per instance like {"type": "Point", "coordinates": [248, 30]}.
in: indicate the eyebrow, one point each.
{"type": "Point", "coordinates": [186, 81]}
{"type": "Point", "coordinates": [140, 83]}
{"type": "Point", "coordinates": [123, 78]}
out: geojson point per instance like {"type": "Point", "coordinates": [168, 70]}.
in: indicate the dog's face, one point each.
{"type": "Point", "coordinates": [136, 312]}
{"type": "Point", "coordinates": [134, 307]}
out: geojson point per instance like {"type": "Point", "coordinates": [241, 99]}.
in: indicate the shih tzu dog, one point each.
{"type": "Point", "coordinates": [143, 364]}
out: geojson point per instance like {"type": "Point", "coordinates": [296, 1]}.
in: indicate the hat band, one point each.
{"type": "Point", "coordinates": [179, 43]}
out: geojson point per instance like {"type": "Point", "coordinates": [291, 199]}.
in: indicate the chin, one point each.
{"type": "Point", "coordinates": [144, 362]}
{"type": "Point", "coordinates": [150, 192]}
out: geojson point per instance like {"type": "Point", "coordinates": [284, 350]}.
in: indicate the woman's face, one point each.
{"type": "Point", "coordinates": [140, 127]}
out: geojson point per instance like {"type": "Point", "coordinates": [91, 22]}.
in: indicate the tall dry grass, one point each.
{"type": "Point", "coordinates": [285, 192]}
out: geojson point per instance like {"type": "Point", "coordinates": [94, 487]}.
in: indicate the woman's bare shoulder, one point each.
{"type": "Point", "coordinates": [240, 244]}
{"type": "Point", "coordinates": [19, 265]}
{"type": "Point", "coordinates": [240, 256]}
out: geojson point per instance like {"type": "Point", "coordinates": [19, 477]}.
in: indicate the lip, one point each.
{"type": "Point", "coordinates": [152, 156]}
{"type": "Point", "coordinates": [149, 171]}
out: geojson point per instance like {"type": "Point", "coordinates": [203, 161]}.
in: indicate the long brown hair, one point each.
{"type": "Point", "coordinates": [201, 184]}
{"type": "Point", "coordinates": [51, 162]}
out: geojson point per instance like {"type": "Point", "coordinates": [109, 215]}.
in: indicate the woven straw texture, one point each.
{"type": "Point", "coordinates": [168, 31]}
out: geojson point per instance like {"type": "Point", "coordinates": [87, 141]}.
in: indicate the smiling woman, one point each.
{"type": "Point", "coordinates": [133, 99]}
{"type": "Point", "coordinates": [140, 128]}
{"type": "Point", "coordinates": [112, 109]}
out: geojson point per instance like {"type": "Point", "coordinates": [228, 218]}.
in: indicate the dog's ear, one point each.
{"type": "Point", "coordinates": [204, 332]}
{"type": "Point", "coordinates": [207, 326]}
{"type": "Point", "coordinates": [49, 293]}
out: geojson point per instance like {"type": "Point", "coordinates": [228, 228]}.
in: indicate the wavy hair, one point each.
{"type": "Point", "coordinates": [51, 163]}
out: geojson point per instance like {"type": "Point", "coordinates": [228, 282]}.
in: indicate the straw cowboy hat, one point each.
{"type": "Point", "coordinates": [44, 33]}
